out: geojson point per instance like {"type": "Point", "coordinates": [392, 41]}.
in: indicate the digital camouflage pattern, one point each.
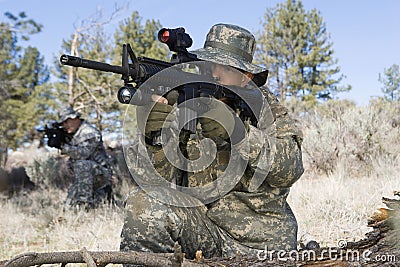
{"type": "Point", "coordinates": [240, 222]}
{"type": "Point", "coordinates": [68, 113]}
{"type": "Point", "coordinates": [89, 163]}
{"type": "Point", "coordinates": [233, 46]}
{"type": "Point", "coordinates": [254, 213]}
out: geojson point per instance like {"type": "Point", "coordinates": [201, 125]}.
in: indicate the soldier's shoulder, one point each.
{"type": "Point", "coordinates": [270, 97]}
{"type": "Point", "coordinates": [88, 131]}
{"type": "Point", "coordinates": [273, 103]}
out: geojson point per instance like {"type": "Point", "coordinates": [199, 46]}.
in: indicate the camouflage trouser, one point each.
{"type": "Point", "coordinates": [153, 226]}
{"type": "Point", "coordinates": [90, 184]}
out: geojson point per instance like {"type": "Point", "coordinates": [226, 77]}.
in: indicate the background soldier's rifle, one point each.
{"type": "Point", "coordinates": [56, 135]}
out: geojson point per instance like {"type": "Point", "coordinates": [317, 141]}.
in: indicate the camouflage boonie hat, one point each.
{"type": "Point", "coordinates": [68, 113]}
{"type": "Point", "coordinates": [233, 46]}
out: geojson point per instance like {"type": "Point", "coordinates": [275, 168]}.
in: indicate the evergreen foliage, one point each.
{"type": "Point", "coordinates": [390, 80]}
{"type": "Point", "coordinates": [142, 38]}
{"type": "Point", "coordinates": [23, 76]}
{"type": "Point", "coordinates": [297, 49]}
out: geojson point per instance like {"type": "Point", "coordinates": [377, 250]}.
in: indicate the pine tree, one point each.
{"type": "Point", "coordinates": [391, 82]}
{"type": "Point", "coordinates": [142, 38]}
{"type": "Point", "coordinates": [295, 46]}
{"type": "Point", "coordinates": [22, 76]}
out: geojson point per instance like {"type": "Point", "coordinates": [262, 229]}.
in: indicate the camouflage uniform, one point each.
{"type": "Point", "coordinates": [244, 220]}
{"type": "Point", "coordinates": [89, 163]}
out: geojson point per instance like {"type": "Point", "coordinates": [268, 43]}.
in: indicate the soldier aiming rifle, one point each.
{"type": "Point", "coordinates": [89, 162]}
{"type": "Point", "coordinates": [56, 135]}
{"type": "Point", "coordinates": [249, 216]}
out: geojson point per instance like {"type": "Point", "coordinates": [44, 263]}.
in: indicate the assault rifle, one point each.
{"type": "Point", "coordinates": [56, 135]}
{"type": "Point", "coordinates": [140, 69]}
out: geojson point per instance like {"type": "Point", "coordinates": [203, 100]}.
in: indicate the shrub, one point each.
{"type": "Point", "coordinates": [338, 132]}
{"type": "Point", "coordinates": [50, 172]}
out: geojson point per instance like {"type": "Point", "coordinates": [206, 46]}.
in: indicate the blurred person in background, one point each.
{"type": "Point", "coordinates": [88, 160]}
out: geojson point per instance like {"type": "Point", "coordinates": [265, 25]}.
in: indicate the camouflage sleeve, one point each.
{"type": "Point", "coordinates": [165, 166]}
{"type": "Point", "coordinates": [278, 157]}
{"type": "Point", "coordinates": [160, 163]}
{"type": "Point", "coordinates": [287, 165]}
{"type": "Point", "coordinates": [80, 151]}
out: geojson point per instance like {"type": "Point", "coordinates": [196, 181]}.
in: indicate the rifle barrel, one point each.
{"type": "Point", "coordinates": [90, 64]}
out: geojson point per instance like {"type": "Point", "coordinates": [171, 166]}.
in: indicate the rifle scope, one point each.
{"type": "Point", "coordinates": [176, 39]}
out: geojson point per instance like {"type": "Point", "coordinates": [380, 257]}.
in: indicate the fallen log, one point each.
{"type": "Point", "coordinates": [102, 258]}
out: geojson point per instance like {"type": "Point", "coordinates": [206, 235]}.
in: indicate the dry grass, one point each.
{"type": "Point", "coordinates": [37, 222]}
{"type": "Point", "coordinates": [336, 207]}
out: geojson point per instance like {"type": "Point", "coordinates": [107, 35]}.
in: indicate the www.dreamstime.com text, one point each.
{"type": "Point", "coordinates": [323, 254]}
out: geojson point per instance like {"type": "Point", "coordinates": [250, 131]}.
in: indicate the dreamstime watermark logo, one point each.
{"type": "Point", "coordinates": [193, 104]}
{"type": "Point", "coordinates": [340, 253]}
{"type": "Point", "coordinates": [342, 243]}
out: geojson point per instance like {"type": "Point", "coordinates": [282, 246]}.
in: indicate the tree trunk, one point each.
{"type": "Point", "coordinates": [3, 155]}
{"type": "Point", "coordinates": [71, 74]}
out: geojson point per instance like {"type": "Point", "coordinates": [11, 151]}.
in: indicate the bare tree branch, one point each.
{"type": "Point", "coordinates": [98, 258]}
{"type": "Point", "coordinates": [86, 26]}
{"type": "Point", "coordinates": [89, 91]}
{"type": "Point", "coordinates": [88, 258]}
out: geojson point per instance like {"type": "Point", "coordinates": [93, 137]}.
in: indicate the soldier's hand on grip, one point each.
{"type": "Point", "coordinates": [220, 121]}
{"type": "Point", "coordinates": [157, 116]}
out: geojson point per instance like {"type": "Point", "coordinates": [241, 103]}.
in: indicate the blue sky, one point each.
{"type": "Point", "coordinates": [365, 34]}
